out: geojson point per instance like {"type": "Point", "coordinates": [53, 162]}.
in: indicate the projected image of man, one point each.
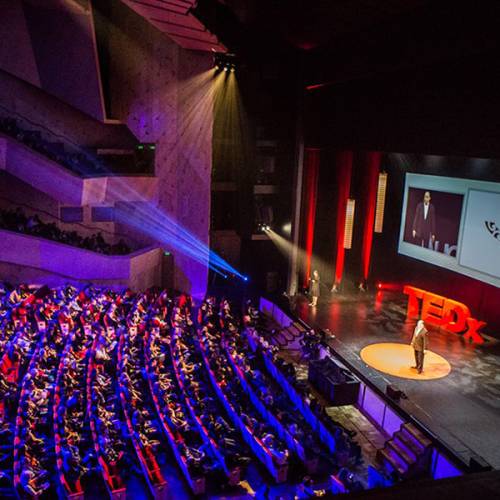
{"type": "Point", "coordinates": [424, 222]}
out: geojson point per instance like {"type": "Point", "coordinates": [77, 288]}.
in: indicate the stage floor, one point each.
{"type": "Point", "coordinates": [462, 408]}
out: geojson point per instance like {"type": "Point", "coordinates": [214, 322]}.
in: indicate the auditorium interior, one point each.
{"type": "Point", "coordinates": [249, 249]}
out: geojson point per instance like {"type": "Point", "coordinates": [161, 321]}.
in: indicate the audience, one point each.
{"type": "Point", "coordinates": [16, 220]}
{"type": "Point", "coordinates": [81, 163]}
{"type": "Point", "coordinates": [55, 344]}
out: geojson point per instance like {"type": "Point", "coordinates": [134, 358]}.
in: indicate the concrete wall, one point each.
{"type": "Point", "coordinates": [152, 92]}
{"type": "Point", "coordinates": [62, 185]}
{"type": "Point", "coordinates": [47, 188]}
{"type": "Point", "coordinates": [55, 119]}
{"type": "Point", "coordinates": [44, 261]}
{"type": "Point", "coordinates": [51, 44]}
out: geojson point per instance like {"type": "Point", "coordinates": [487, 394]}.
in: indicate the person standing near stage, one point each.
{"type": "Point", "coordinates": [419, 344]}
{"type": "Point", "coordinates": [314, 288]}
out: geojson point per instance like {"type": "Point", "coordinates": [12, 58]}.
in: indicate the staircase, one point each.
{"type": "Point", "coordinates": [407, 453]}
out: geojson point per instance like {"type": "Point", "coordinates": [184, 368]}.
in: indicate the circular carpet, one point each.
{"type": "Point", "coordinates": [396, 359]}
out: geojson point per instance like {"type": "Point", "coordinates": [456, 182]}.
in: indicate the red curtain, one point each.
{"type": "Point", "coordinates": [343, 164]}
{"type": "Point", "coordinates": [310, 193]}
{"type": "Point", "coordinates": [371, 170]}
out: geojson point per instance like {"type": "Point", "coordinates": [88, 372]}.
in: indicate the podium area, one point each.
{"type": "Point", "coordinates": [397, 360]}
{"type": "Point", "coordinates": [462, 406]}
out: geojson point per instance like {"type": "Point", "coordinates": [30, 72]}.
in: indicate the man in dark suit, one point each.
{"type": "Point", "coordinates": [424, 222]}
{"type": "Point", "coordinates": [419, 344]}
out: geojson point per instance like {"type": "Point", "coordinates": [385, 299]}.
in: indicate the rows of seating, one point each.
{"type": "Point", "coordinates": [258, 433]}
{"type": "Point", "coordinates": [336, 439]}
{"type": "Point", "coordinates": [79, 162]}
{"type": "Point", "coordinates": [34, 460]}
{"type": "Point", "coordinates": [19, 340]}
{"type": "Point", "coordinates": [16, 220]}
{"type": "Point", "coordinates": [75, 457]}
{"type": "Point", "coordinates": [303, 436]}
{"type": "Point", "coordinates": [256, 361]}
{"type": "Point", "coordinates": [204, 406]}
{"type": "Point", "coordinates": [139, 411]}
{"type": "Point", "coordinates": [194, 457]}
{"type": "Point", "coordinates": [114, 381]}
{"type": "Point", "coordinates": [103, 408]}
{"type": "Point", "coordinates": [15, 358]}
{"type": "Point", "coordinates": [272, 401]}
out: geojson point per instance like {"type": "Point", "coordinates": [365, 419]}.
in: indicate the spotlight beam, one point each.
{"type": "Point", "coordinates": [197, 96]}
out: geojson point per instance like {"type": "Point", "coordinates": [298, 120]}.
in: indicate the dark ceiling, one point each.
{"type": "Point", "coordinates": [394, 75]}
{"type": "Point", "coordinates": [344, 39]}
{"type": "Point", "coordinates": [308, 24]}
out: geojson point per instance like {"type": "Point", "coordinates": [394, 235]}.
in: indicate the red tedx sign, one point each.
{"type": "Point", "coordinates": [445, 313]}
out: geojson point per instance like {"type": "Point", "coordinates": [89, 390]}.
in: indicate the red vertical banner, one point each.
{"type": "Point", "coordinates": [310, 194]}
{"type": "Point", "coordinates": [343, 163]}
{"type": "Point", "coordinates": [371, 170]}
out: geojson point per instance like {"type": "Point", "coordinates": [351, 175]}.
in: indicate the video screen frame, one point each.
{"type": "Point", "coordinates": [450, 185]}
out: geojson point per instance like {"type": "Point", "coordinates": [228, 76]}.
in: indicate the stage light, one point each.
{"type": "Point", "coordinates": [349, 222]}
{"type": "Point", "coordinates": [245, 278]}
{"type": "Point", "coordinates": [380, 207]}
{"type": "Point", "coordinates": [287, 228]}
{"type": "Point", "coordinates": [226, 69]}
{"type": "Point", "coordinates": [379, 286]}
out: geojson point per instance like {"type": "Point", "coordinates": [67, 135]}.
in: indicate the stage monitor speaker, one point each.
{"type": "Point", "coordinates": [393, 392]}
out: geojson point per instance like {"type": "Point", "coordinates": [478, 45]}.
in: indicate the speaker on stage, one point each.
{"type": "Point", "coordinates": [393, 392]}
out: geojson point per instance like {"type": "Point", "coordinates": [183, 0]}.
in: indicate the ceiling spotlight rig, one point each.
{"type": "Point", "coordinates": [225, 62]}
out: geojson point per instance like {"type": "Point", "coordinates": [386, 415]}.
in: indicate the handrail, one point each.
{"type": "Point", "coordinates": [72, 489]}
{"type": "Point", "coordinates": [232, 473]}
{"type": "Point", "coordinates": [70, 147]}
{"type": "Point", "coordinates": [150, 468]}
{"type": "Point", "coordinates": [196, 483]}
{"type": "Point", "coordinates": [260, 406]}
{"type": "Point", "coordinates": [48, 214]}
{"type": "Point", "coordinates": [116, 491]}
{"type": "Point", "coordinates": [20, 451]}
{"type": "Point", "coordinates": [279, 472]}
{"type": "Point", "coordinates": [324, 434]}
{"type": "Point", "coordinates": [39, 125]}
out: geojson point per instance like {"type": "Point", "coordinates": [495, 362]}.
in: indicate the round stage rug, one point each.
{"type": "Point", "coordinates": [396, 359]}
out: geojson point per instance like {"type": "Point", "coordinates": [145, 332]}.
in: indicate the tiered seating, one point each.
{"type": "Point", "coordinates": [20, 307]}
{"type": "Point", "coordinates": [103, 409]}
{"type": "Point", "coordinates": [331, 435]}
{"type": "Point", "coordinates": [273, 402]}
{"type": "Point", "coordinates": [258, 434]}
{"type": "Point", "coordinates": [79, 162]}
{"type": "Point", "coordinates": [204, 406]}
{"type": "Point", "coordinates": [193, 456]}
{"type": "Point", "coordinates": [73, 442]}
{"type": "Point", "coordinates": [139, 410]}
{"type": "Point", "coordinates": [7, 327]}
{"type": "Point", "coordinates": [12, 365]}
{"type": "Point", "coordinates": [17, 221]}
{"type": "Point", "coordinates": [217, 394]}
{"type": "Point", "coordinates": [33, 444]}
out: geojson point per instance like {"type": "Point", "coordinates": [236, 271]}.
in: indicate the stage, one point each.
{"type": "Point", "coordinates": [461, 407]}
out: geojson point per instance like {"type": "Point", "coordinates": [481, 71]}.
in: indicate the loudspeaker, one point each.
{"type": "Point", "coordinates": [393, 392]}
